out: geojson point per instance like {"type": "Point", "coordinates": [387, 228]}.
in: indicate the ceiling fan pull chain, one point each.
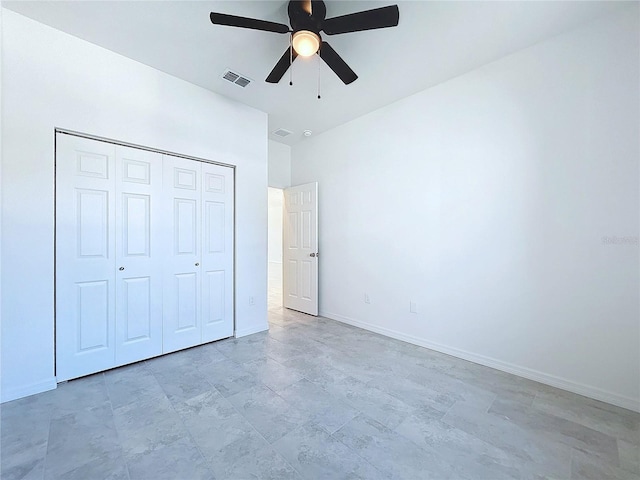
{"type": "Point", "coordinates": [291, 59]}
{"type": "Point", "coordinates": [318, 55]}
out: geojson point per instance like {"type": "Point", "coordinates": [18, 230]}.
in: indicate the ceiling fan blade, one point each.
{"type": "Point", "coordinates": [282, 66]}
{"type": "Point", "coordinates": [244, 22]}
{"type": "Point", "coordinates": [337, 64]}
{"type": "Point", "coordinates": [367, 20]}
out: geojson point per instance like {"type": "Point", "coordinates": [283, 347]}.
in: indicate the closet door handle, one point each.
{"type": "Point", "coordinates": [121, 268]}
{"type": "Point", "coordinates": [197, 264]}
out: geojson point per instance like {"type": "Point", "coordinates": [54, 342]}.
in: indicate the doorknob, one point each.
{"type": "Point", "coordinates": [197, 264]}
{"type": "Point", "coordinates": [121, 268]}
{"type": "Point", "coordinates": [312, 254]}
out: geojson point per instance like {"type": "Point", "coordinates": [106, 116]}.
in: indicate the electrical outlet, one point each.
{"type": "Point", "coordinates": [413, 307]}
{"type": "Point", "coordinates": [252, 301]}
{"type": "Point", "coordinates": [366, 298]}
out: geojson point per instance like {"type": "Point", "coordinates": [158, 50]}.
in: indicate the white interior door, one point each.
{"type": "Point", "coordinates": [300, 245]}
{"type": "Point", "coordinates": [139, 254]}
{"type": "Point", "coordinates": [182, 270]}
{"type": "Point", "coordinates": [85, 257]}
{"type": "Point", "coordinates": [217, 252]}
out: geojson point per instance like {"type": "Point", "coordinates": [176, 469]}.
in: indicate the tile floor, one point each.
{"type": "Point", "coordinates": [313, 398]}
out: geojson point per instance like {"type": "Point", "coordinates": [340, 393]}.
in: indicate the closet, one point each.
{"type": "Point", "coordinates": [144, 254]}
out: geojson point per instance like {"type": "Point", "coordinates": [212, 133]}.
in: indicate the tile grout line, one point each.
{"type": "Point", "coordinates": [124, 460]}
{"type": "Point", "coordinates": [46, 451]}
{"type": "Point", "coordinates": [193, 440]}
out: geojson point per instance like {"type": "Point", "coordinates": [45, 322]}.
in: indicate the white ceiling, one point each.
{"type": "Point", "coordinates": [434, 41]}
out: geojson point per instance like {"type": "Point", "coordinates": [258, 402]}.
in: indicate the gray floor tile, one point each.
{"type": "Point", "coordinates": [391, 452]}
{"type": "Point", "coordinates": [317, 455]}
{"type": "Point", "coordinates": [629, 456]}
{"type": "Point", "coordinates": [538, 452]}
{"type": "Point", "coordinates": [26, 470]}
{"type": "Point", "coordinates": [82, 393]}
{"type": "Point", "coordinates": [416, 395]}
{"type": "Point", "coordinates": [282, 351]}
{"type": "Point", "coordinates": [608, 419]}
{"type": "Point", "coordinates": [316, 368]}
{"type": "Point", "coordinates": [263, 463]}
{"type": "Point", "coordinates": [178, 460]}
{"type": "Point", "coordinates": [245, 349]}
{"type": "Point", "coordinates": [24, 433]}
{"type": "Point", "coordinates": [323, 408]}
{"type": "Point", "coordinates": [269, 413]}
{"type": "Point", "coordinates": [182, 383]}
{"type": "Point", "coordinates": [585, 466]}
{"type": "Point", "coordinates": [272, 373]}
{"type": "Point", "coordinates": [377, 404]}
{"type": "Point", "coordinates": [107, 468]}
{"type": "Point", "coordinates": [207, 407]}
{"type": "Point", "coordinates": [220, 432]}
{"type": "Point", "coordinates": [131, 384]}
{"type": "Point", "coordinates": [77, 439]}
{"type": "Point", "coordinates": [232, 447]}
{"type": "Point", "coordinates": [147, 426]}
{"type": "Point", "coordinates": [562, 430]}
{"type": "Point", "coordinates": [228, 377]}
{"type": "Point", "coordinates": [469, 456]}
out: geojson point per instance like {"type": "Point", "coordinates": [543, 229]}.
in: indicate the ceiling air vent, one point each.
{"type": "Point", "coordinates": [236, 78]}
{"type": "Point", "coordinates": [281, 132]}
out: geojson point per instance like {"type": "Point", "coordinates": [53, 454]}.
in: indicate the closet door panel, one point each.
{"type": "Point", "coordinates": [182, 323]}
{"type": "Point", "coordinates": [217, 253]}
{"type": "Point", "coordinates": [139, 247]}
{"type": "Point", "coordinates": [85, 257]}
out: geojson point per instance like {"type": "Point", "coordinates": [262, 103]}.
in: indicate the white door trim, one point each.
{"type": "Point", "coordinates": [140, 147]}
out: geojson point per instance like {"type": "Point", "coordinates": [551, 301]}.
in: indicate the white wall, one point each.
{"type": "Point", "coordinates": [485, 200]}
{"type": "Point", "coordinates": [279, 178]}
{"type": "Point", "coordinates": [51, 79]}
{"type": "Point", "coordinates": [279, 165]}
{"type": "Point", "coordinates": [276, 203]}
{"type": "Point", "coordinates": [1, 203]}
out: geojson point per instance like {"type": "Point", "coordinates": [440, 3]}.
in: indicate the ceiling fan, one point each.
{"type": "Point", "coordinates": [307, 19]}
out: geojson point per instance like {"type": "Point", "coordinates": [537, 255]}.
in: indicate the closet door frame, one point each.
{"type": "Point", "coordinates": [62, 131]}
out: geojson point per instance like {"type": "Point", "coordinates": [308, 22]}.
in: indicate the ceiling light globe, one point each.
{"type": "Point", "coordinates": [305, 43]}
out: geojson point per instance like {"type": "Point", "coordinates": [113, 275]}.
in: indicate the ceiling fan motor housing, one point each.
{"type": "Point", "coordinates": [300, 19]}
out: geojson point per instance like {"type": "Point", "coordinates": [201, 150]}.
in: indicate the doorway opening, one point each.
{"type": "Point", "coordinates": [274, 248]}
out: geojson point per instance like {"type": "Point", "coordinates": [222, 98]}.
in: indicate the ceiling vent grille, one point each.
{"type": "Point", "coordinates": [281, 132]}
{"type": "Point", "coordinates": [236, 78]}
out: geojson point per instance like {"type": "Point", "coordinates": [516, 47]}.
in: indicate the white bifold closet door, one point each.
{"type": "Point", "coordinates": [85, 257]}
{"type": "Point", "coordinates": [197, 279]}
{"type": "Point", "coordinates": [138, 264]}
{"type": "Point", "coordinates": [138, 254]}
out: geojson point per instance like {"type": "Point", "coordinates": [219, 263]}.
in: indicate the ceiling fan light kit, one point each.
{"type": "Point", "coordinates": [307, 20]}
{"type": "Point", "coordinates": [305, 43]}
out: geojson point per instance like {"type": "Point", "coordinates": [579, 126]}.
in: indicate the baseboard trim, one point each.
{"type": "Point", "coordinates": [250, 331]}
{"type": "Point", "coordinates": [548, 379]}
{"type": "Point", "coordinates": [9, 394]}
